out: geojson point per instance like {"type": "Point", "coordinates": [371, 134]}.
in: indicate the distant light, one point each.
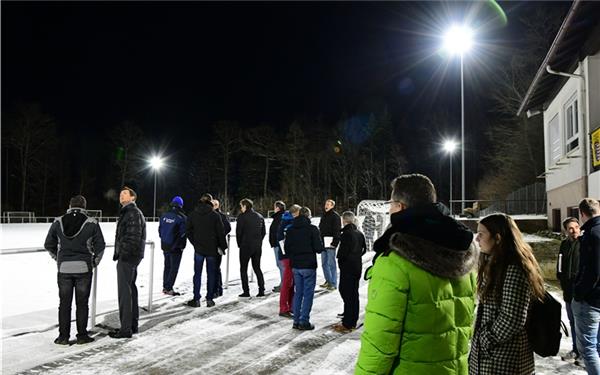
{"type": "Point", "coordinates": [450, 146]}
{"type": "Point", "coordinates": [458, 39]}
{"type": "Point", "coordinates": [156, 163]}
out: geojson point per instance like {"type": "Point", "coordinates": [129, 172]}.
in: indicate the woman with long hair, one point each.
{"type": "Point", "coordinates": [509, 278]}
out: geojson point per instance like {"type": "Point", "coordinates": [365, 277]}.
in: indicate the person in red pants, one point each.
{"type": "Point", "coordinates": [286, 295]}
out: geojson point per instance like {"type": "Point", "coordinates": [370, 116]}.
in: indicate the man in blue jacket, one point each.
{"type": "Point", "coordinates": [171, 230]}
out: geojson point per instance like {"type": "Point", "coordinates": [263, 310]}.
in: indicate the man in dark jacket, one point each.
{"type": "Point", "coordinates": [566, 271]}
{"type": "Point", "coordinates": [279, 208]}
{"type": "Point", "coordinates": [586, 296]}
{"type": "Point", "coordinates": [81, 248]}
{"type": "Point", "coordinates": [205, 231]}
{"type": "Point", "coordinates": [130, 242]}
{"type": "Point", "coordinates": [352, 247]}
{"type": "Point", "coordinates": [330, 227]}
{"type": "Point", "coordinates": [250, 231]}
{"type": "Point", "coordinates": [171, 230]}
{"type": "Point", "coordinates": [302, 243]}
{"type": "Point", "coordinates": [226, 230]}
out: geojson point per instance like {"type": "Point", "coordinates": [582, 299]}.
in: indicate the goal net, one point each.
{"type": "Point", "coordinates": [373, 219]}
{"type": "Point", "coordinates": [19, 217]}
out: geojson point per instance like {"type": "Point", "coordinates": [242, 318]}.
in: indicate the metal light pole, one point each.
{"type": "Point", "coordinates": [156, 162]}
{"type": "Point", "coordinates": [462, 134]}
{"type": "Point", "coordinates": [449, 147]}
{"type": "Point", "coordinates": [155, 178]}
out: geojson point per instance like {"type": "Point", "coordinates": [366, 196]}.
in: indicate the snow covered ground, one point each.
{"type": "Point", "coordinates": [234, 337]}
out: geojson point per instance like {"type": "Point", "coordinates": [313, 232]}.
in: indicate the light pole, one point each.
{"type": "Point", "coordinates": [449, 147]}
{"type": "Point", "coordinates": [458, 40]}
{"type": "Point", "coordinates": [156, 162]}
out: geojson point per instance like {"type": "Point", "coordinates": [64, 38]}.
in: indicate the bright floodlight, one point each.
{"type": "Point", "coordinates": [450, 146]}
{"type": "Point", "coordinates": [458, 39]}
{"type": "Point", "coordinates": [156, 162]}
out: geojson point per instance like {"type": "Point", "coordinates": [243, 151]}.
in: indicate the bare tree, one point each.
{"type": "Point", "coordinates": [262, 142]}
{"type": "Point", "coordinates": [228, 141]}
{"type": "Point", "coordinates": [127, 139]}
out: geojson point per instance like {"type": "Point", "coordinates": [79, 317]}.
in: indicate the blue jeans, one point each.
{"type": "Point", "coordinates": [304, 285]}
{"type": "Point", "coordinates": [211, 267]}
{"type": "Point", "coordinates": [329, 267]}
{"type": "Point", "coordinates": [278, 263]}
{"type": "Point", "coordinates": [569, 308]}
{"type": "Point", "coordinates": [172, 262]}
{"type": "Point", "coordinates": [587, 321]}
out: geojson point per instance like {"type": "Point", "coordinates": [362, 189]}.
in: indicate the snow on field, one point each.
{"type": "Point", "coordinates": [234, 337]}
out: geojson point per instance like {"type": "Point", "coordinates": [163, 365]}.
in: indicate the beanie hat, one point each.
{"type": "Point", "coordinates": [177, 201]}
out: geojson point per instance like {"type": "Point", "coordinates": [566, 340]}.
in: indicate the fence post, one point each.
{"type": "Point", "coordinates": [226, 285]}
{"type": "Point", "coordinates": [151, 277]}
{"type": "Point", "coordinates": [94, 288]}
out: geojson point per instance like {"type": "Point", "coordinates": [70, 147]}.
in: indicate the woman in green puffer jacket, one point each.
{"type": "Point", "coordinates": [420, 308]}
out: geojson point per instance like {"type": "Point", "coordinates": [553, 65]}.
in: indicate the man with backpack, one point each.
{"type": "Point", "coordinates": [171, 230]}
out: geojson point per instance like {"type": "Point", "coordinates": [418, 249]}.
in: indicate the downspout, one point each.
{"type": "Point", "coordinates": [584, 109]}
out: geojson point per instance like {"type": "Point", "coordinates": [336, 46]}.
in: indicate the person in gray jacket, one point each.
{"type": "Point", "coordinates": [75, 241]}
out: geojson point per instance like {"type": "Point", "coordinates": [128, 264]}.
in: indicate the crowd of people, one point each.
{"type": "Point", "coordinates": [429, 273]}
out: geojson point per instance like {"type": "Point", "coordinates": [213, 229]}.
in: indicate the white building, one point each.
{"type": "Point", "coordinates": [566, 90]}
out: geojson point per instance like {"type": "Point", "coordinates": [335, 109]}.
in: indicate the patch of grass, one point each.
{"type": "Point", "coordinates": [546, 254]}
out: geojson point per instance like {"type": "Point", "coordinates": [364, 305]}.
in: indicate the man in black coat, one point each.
{"type": "Point", "coordinates": [205, 232]}
{"type": "Point", "coordinates": [227, 229]}
{"type": "Point", "coordinates": [330, 227]}
{"type": "Point", "coordinates": [81, 248]}
{"type": "Point", "coordinates": [279, 208]}
{"type": "Point", "coordinates": [352, 247]}
{"type": "Point", "coordinates": [130, 242]}
{"type": "Point", "coordinates": [250, 231]}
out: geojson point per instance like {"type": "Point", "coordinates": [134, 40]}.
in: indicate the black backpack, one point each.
{"type": "Point", "coordinates": [544, 325]}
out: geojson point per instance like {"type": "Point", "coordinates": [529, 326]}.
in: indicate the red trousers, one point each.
{"type": "Point", "coordinates": [286, 293]}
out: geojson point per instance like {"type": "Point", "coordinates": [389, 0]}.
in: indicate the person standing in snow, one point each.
{"type": "Point", "coordinates": [352, 247]}
{"type": "Point", "coordinates": [279, 208]}
{"type": "Point", "coordinates": [226, 230]}
{"type": "Point", "coordinates": [566, 271]}
{"type": "Point", "coordinates": [206, 233]}
{"type": "Point", "coordinates": [421, 294]}
{"type": "Point", "coordinates": [330, 227]}
{"type": "Point", "coordinates": [76, 242]}
{"type": "Point", "coordinates": [508, 279]}
{"type": "Point", "coordinates": [286, 296]}
{"type": "Point", "coordinates": [250, 231]}
{"type": "Point", "coordinates": [130, 243]}
{"type": "Point", "coordinates": [171, 230]}
{"type": "Point", "coordinates": [302, 243]}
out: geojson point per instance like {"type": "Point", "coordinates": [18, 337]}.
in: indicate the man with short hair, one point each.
{"type": "Point", "coordinates": [586, 296]}
{"type": "Point", "coordinates": [130, 243]}
{"type": "Point", "coordinates": [330, 227]}
{"type": "Point", "coordinates": [279, 208]}
{"type": "Point", "coordinates": [421, 298]}
{"type": "Point", "coordinates": [566, 271]}
{"type": "Point", "coordinates": [171, 230]}
{"type": "Point", "coordinates": [250, 231]}
{"type": "Point", "coordinates": [226, 230]}
{"type": "Point", "coordinates": [76, 242]}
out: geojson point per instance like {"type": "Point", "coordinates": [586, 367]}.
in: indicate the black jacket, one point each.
{"type": "Point", "coordinates": [587, 286]}
{"type": "Point", "coordinates": [302, 243]}
{"type": "Point", "coordinates": [330, 226]}
{"type": "Point", "coordinates": [352, 246]}
{"type": "Point", "coordinates": [205, 231]}
{"type": "Point", "coordinates": [274, 228]}
{"type": "Point", "coordinates": [225, 221]}
{"type": "Point", "coordinates": [75, 241]}
{"type": "Point", "coordinates": [130, 240]}
{"type": "Point", "coordinates": [250, 231]}
{"type": "Point", "coordinates": [566, 269]}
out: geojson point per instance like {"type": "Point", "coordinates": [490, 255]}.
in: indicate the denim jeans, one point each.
{"type": "Point", "coordinates": [278, 263]}
{"type": "Point", "coordinates": [587, 320]}
{"type": "Point", "coordinates": [329, 266]}
{"type": "Point", "coordinates": [172, 262]}
{"type": "Point", "coordinates": [304, 284]}
{"type": "Point", "coordinates": [211, 268]}
{"type": "Point", "coordinates": [569, 309]}
{"type": "Point", "coordinates": [81, 283]}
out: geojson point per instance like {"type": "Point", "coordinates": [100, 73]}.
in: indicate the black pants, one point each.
{"type": "Point", "coordinates": [172, 261]}
{"type": "Point", "coordinates": [349, 280]}
{"type": "Point", "coordinates": [245, 256]}
{"type": "Point", "coordinates": [82, 283]}
{"type": "Point", "coordinates": [219, 280]}
{"type": "Point", "coordinates": [128, 296]}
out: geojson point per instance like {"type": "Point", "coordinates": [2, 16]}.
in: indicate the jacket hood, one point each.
{"type": "Point", "coordinates": [349, 227]}
{"type": "Point", "coordinates": [204, 208]}
{"type": "Point", "coordinates": [301, 221]}
{"type": "Point", "coordinates": [73, 222]}
{"type": "Point", "coordinates": [287, 216]}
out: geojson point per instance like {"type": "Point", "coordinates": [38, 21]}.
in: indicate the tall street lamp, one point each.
{"type": "Point", "coordinates": [449, 147]}
{"type": "Point", "coordinates": [156, 163]}
{"type": "Point", "coordinates": [458, 41]}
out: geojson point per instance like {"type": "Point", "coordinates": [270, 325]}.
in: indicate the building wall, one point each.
{"type": "Point", "coordinates": [564, 197]}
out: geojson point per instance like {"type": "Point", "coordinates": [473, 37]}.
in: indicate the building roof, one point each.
{"type": "Point", "coordinates": [578, 37]}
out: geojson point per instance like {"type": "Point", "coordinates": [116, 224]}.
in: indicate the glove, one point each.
{"type": "Point", "coordinates": [220, 251]}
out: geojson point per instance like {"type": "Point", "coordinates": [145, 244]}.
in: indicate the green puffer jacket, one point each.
{"type": "Point", "coordinates": [420, 309]}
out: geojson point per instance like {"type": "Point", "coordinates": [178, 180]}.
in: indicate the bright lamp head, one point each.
{"type": "Point", "coordinates": [450, 146]}
{"type": "Point", "coordinates": [458, 39]}
{"type": "Point", "coordinates": [156, 162]}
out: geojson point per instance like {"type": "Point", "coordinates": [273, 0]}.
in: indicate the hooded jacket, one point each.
{"type": "Point", "coordinates": [75, 241]}
{"type": "Point", "coordinates": [205, 231]}
{"type": "Point", "coordinates": [421, 297]}
{"type": "Point", "coordinates": [171, 229]}
{"type": "Point", "coordinates": [286, 222]}
{"type": "Point", "coordinates": [302, 243]}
